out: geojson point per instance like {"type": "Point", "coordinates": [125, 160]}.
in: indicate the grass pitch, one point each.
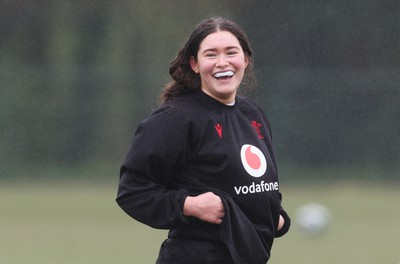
{"type": "Point", "coordinates": [81, 224]}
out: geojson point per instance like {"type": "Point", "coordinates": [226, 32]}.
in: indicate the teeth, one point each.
{"type": "Point", "coordinates": [224, 74]}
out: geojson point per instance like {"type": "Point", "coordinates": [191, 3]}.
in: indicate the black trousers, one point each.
{"type": "Point", "coordinates": [190, 250]}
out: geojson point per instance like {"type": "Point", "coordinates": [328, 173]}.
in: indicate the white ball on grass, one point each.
{"type": "Point", "coordinates": [313, 218]}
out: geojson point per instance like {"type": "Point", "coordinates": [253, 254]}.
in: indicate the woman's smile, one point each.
{"type": "Point", "coordinates": [224, 75]}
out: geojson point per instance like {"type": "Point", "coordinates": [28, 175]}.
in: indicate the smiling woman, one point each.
{"type": "Point", "coordinates": [221, 63]}
{"type": "Point", "coordinates": [202, 164]}
{"type": "Point", "coordinates": [185, 78]}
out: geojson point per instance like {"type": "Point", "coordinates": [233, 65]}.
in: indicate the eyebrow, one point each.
{"type": "Point", "coordinates": [214, 49]}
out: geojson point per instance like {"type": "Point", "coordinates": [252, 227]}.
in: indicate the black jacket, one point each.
{"type": "Point", "coordinates": [194, 144]}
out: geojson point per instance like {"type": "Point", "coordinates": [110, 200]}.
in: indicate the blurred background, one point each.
{"type": "Point", "coordinates": [76, 77]}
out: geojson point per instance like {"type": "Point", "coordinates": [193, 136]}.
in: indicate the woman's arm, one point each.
{"type": "Point", "coordinates": [151, 203]}
{"type": "Point", "coordinates": [146, 188]}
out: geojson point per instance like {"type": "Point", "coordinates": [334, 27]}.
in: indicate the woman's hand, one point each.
{"type": "Point", "coordinates": [207, 207]}
{"type": "Point", "coordinates": [281, 222]}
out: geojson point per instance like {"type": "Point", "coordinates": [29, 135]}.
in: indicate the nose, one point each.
{"type": "Point", "coordinates": [221, 62]}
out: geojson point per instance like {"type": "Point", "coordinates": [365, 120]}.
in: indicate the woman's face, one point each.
{"type": "Point", "coordinates": [221, 64]}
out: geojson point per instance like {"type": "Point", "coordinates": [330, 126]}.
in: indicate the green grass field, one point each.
{"type": "Point", "coordinates": [78, 223]}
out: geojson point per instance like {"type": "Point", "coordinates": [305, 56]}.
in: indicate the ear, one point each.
{"type": "Point", "coordinates": [246, 60]}
{"type": "Point", "coordinates": [194, 65]}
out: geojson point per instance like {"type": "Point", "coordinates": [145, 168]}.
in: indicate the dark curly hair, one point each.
{"type": "Point", "coordinates": [184, 79]}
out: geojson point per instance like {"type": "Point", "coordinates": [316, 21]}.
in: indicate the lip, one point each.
{"type": "Point", "coordinates": [224, 74]}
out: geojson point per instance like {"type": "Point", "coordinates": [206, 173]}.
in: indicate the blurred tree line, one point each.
{"type": "Point", "coordinates": [76, 77]}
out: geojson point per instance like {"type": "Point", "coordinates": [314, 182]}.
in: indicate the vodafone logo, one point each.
{"type": "Point", "coordinates": [253, 160]}
{"type": "Point", "coordinates": [255, 164]}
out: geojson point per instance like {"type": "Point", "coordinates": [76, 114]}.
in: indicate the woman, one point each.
{"type": "Point", "coordinates": [202, 164]}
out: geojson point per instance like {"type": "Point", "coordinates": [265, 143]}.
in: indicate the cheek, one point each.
{"type": "Point", "coordinates": [205, 67]}
{"type": "Point", "coordinates": [239, 63]}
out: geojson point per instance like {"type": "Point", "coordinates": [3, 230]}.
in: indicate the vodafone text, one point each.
{"type": "Point", "coordinates": [257, 187]}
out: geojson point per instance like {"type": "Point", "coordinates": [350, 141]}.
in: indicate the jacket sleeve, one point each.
{"type": "Point", "coordinates": [146, 176]}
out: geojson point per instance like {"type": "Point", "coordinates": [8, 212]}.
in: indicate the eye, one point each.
{"type": "Point", "coordinates": [210, 55]}
{"type": "Point", "coordinates": [232, 53]}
